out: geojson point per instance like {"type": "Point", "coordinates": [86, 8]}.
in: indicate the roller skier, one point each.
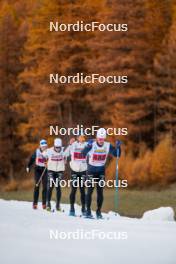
{"type": "Point", "coordinates": [97, 152]}
{"type": "Point", "coordinates": [38, 159]}
{"type": "Point", "coordinates": [78, 167]}
{"type": "Point", "coordinates": [56, 167]}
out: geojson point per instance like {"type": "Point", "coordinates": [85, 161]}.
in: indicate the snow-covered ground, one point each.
{"type": "Point", "coordinates": [37, 236]}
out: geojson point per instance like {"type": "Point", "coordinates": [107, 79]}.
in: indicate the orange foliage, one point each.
{"type": "Point", "coordinates": [157, 167]}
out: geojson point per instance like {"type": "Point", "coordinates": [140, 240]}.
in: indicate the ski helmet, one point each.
{"type": "Point", "coordinates": [43, 143]}
{"type": "Point", "coordinates": [58, 142]}
{"type": "Point", "coordinates": [101, 133]}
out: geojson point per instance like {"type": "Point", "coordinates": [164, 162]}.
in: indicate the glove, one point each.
{"type": "Point", "coordinates": [46, 162]}
{"type": "Point", "coordinates": [89, 177]}
{"type": "Point", "coordinates": [27, 170]}
{"type": "Point", "coordinates": [102, 177]}
{"type": "Point", "coordinates": [90, 142]}
{"type": "Point", "coordinates": [118, 143]}
{"type": "Point", "coordinates": [60, 176]}
{"type": "Point", "coordinates": [73, 177]}
{"type": "Point", "coordinates": [84, 178]}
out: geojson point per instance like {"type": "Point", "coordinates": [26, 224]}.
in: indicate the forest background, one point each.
{"type": "Point", "coordinates": [146, 105]}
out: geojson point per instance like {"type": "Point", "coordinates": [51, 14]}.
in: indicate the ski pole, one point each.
{"type": "Point", "coordinates": [116, 181]}
{"type": "Point", "coordinates": [117, 177]}
{"type": "Point", "coordinates": [37, 184]}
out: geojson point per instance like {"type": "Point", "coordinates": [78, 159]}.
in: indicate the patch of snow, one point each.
{"type": "Point", "coordinates": [160, 214]}
{"type": "Point", "coordinates": [25, 237]}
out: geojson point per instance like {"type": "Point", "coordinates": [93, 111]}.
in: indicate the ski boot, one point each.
{"type": "Point", "coordinates": [48, 207]}
{"type": "Point", "coordinates": [72, 211]}
{"type": "Point", "coordinates": [99, 215]}
{"type": "Point", "coordinates": [58, 208]}
{"type": "Point", "coordinates": [88, 214]}
{"type": "Point", "coordinates": [34, 206]}
{"type": "Point", "coordinates": [83, 211]}
{"type": "Point", "coordinates": [44, 206]}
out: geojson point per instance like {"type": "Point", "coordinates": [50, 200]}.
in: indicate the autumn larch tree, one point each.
{"type": "Point", "coordinates": [12, 38]}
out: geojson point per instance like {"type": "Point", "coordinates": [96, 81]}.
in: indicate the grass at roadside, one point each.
{"type": "Point", "coordinates": [131, 202]}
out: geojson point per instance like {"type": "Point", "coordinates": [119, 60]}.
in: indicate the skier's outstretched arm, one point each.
{"type": "Point", "coordinates": [116, 152]}
{"type": "Point", "coordinates": [46, 154]}
{"type": "Point", "coordinates": [88, 147]}
{"type": "Point", "coordinates": [31, 161]}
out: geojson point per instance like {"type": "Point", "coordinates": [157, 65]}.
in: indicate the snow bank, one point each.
{"type": "Point", "coordinates": [160, 214]}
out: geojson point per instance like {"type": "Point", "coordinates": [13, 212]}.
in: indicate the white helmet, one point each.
{"type": "Point", "coordinates": [58, 142]}
{"type": "Point", "coordinates": [43, 143]}
{"type": "Point", "coordinates": [101, 133]}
